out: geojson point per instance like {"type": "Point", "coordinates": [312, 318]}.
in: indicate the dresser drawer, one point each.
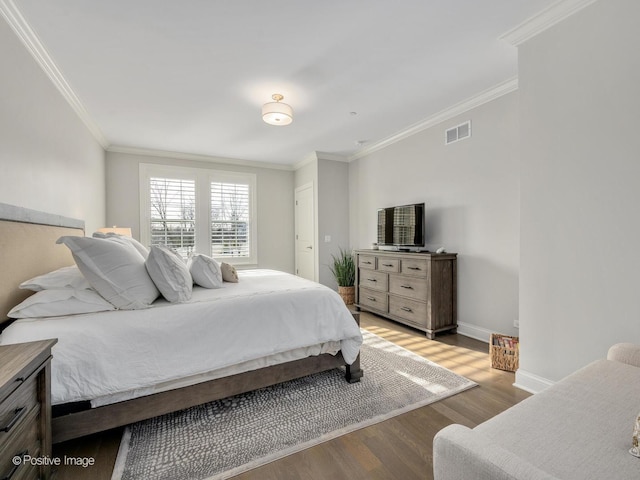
{"type": "Point", "coordinates": [416, 267]}
{"type": "Point", "coordinates": [371, 298]}
{"type": "Point", "coordinates": [367, 261]}
{"type": "Point", "coordinates": [16, 407]}
{"type": "Point", "coordinates": [391, 265]}
{"type": "Point", "coordinates": [374, 280]}
{"type": "Point", "coordinates": [24, 441]}
{"type": "Point", "coordinates": [410, 310]}
{"type": "Point", "coordinates": [406, 286]}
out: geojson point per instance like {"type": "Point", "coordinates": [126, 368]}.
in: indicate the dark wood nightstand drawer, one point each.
{"type": "Point", "coordinates": [15, 409]}
{"type": "Point", "coordinates": [25, 408]}
{"type": "Point", "coordinates": [24, 441]}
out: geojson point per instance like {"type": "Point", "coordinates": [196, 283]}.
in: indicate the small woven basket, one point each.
{"type": "Point", "coordinates": [504, 352]}
{"type": "Point", "coordinates": [348, 294]}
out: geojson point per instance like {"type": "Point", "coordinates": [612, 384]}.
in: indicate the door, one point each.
{"type": "Point", "coordinates": [305, 233]}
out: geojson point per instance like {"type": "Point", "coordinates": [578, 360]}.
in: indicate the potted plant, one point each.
{"type": "Point", "coordinates": [344, 271]}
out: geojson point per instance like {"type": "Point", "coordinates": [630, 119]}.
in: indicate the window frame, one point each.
{"type": "Point", "coordinates": [203, 178]}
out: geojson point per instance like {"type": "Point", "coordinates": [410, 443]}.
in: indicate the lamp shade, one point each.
{"type": "Point", "coordinates": [126, 231]}
{"type": "Point", "coordinates": [277, 113]}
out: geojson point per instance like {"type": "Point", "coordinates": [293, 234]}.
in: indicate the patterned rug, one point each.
{"type": "Point", "coordinates": [227, 437]}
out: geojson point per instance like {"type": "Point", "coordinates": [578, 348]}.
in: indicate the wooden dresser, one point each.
{"type": "Point", "coordinates": [417, 289]}
{"type": "Point", "coordinates": [25, 409]}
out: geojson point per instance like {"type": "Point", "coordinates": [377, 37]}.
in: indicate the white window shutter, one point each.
{"type": "Point", "coordinates": [173, 213]}
{"type": "Point", "coordinates": [230, 220]}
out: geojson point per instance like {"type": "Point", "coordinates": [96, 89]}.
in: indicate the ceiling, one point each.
{"type": "Point", "coordinates": [191, 76]}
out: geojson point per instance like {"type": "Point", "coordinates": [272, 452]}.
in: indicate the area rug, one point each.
{"type": "Point", "coordinates": [227, 437]}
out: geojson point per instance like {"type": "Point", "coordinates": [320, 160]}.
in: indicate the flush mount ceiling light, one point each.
{"type": "Point", "coordinates": [277, 113]}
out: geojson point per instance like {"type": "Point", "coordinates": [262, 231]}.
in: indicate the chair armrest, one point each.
{"type": "Point", "coordinates": [460, 453]}
{"type": "Point", "coordinates": [625, 353]}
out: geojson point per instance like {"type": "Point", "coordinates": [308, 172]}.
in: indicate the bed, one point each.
{"type": "Point", "coordinates": [149, 362]}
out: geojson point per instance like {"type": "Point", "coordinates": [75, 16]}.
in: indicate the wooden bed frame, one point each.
{"type": "Point", "coordinates": [28, 248]}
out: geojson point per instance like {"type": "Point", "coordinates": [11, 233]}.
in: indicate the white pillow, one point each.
{"type": "Point", "coordinates": [54, 303]}
{"type": "Point", "coordinates": [170, 274]}
{"type": "Point", "coordinates": [65, 277]}
{"type": "Point", "coordinates": [144, 251]}
{"type": "Point", "coordinates": [115, 269]}
{"type": "Point", "coordinates": [205, 271]}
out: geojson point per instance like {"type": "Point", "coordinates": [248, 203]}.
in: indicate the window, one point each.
{"type": "Point", "coordinates": [172, 216]}
{"type": "Point", "coordinates": [199, 210]}
{"type": "Point", "coordinates": [229, 220]}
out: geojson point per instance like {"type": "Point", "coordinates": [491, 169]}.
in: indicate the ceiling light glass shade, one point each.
{"type": "Point", "coordinates": [277, 113]}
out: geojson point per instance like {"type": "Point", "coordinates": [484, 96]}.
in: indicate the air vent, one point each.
{"type": "Point", "coordinates": [459, 132]}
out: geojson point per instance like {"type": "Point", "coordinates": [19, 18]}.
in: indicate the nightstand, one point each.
{"type": "Point", "coordinates": [25, 409]}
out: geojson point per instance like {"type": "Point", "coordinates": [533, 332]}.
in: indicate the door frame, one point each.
{"type": "Point", "coordinates": [314, 226]}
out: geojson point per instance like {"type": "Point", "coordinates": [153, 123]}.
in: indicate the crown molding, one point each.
{"type": "Point", "coordinates": [315, 155]}
{"type": "Point", "coordinates": [481, 98]}
{"type": "Point", "coordinates": [335, 157]}
{"type": "Point", "coordinates": [543, 20]}
{"type": "Point", "coordinates": [148, 152]}
{"type": "Point", "coordinates": [25, 33]}
{"type": "Point", "coordinates": [309, 158]}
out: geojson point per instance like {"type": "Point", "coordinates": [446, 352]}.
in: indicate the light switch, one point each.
{"type": "Point", "coordinates": [327, 239]}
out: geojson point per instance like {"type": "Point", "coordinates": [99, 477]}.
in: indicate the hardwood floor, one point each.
{"type": "Point", "coordinates": [400, 447]}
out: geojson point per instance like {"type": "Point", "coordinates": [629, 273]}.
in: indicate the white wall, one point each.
{"type": "Point", "coordinates": [330, 180]}
{"type": "Point", "coordinates": [471, 191]}
{"type": "Point", "coordinates": [333, 215]}
{"type": "Point", "coordinates": [580, 249]}
{"type": "Point", "coordinates": [274, 202]}
{"type": "Point", "coordinates": [48, 159]}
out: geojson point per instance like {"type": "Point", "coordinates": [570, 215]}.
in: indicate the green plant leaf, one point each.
{"type": "Point", "coordinates": [344, 268]}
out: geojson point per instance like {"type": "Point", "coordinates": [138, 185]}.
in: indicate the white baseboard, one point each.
{"type": "Point", "coordinates": [527, 381]}
{"type": "Point", "coordinates": [530, 382]}
{"type": "Point", "coordinates": [474, 331]}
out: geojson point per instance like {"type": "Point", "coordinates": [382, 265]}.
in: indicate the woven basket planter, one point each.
{"type": "Point", "coordinates": [504, 352]}
{"type": "Point", "coordinates": [348, 294]}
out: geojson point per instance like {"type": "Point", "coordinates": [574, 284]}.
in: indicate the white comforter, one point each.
{"type": "Point", "coordinates": [266, 313]}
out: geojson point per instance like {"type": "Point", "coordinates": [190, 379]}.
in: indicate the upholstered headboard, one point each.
{"type": "Point", "coordinates": [28, 248]}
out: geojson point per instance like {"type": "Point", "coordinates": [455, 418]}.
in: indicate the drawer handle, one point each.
{"type": "Point", "coordinates": [372, 279]}
{"type": "Point", "coordinates": [18, 412]}
{"type": "Point", "coordinates": [387, 264]}
{"type": "Point", "coordinates": [409, 287]}
{"type": "Point", "coordinates": [406, 309]}
{"type": "Point", "coordinates": [16, 467]}
{"type": "Point", "coordinates": [414, 268]}
{"type": "Point", "coordinates": [367, 263]}
{"type": "Point", "coordinates": [371, 298]}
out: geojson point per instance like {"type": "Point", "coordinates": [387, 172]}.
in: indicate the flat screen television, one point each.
{"type": "Point", "coordinates": [401, 226]}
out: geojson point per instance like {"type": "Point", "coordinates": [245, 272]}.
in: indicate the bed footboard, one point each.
{"type": "Point", "coordinates": [79, 424]}
{"type": "Point", "coordinates": [85, 422]}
